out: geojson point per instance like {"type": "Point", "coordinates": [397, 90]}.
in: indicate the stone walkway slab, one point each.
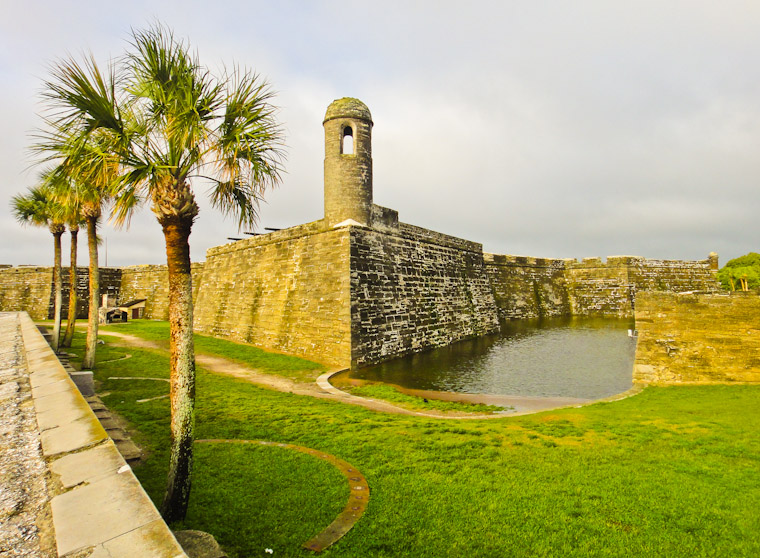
{"type": "Point", "coordinates": [103, 511]}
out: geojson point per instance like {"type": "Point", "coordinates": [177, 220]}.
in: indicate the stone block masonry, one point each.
{"type": "Point", "coordinates": [414, 290]}
{"type": "Point", "coordinates": [360, 295]}
{"type": "Point", "coordinates": [30, 289]}
{"type": "Point", "coordinates": [26, 288]}
{"type": "Point", "coordinates": [287, 291]}
{"type": "Point", "coordinates": [151, 282]}
{"type": "Point", "coordinates": [536, 287]}
{"type": "Point", "coordinates": [528, 287]}
{"type": "Point", "coordinates": [697, 338]}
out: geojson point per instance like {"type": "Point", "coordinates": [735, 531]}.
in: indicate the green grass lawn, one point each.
{"type": "Point", "coordinates": [674, 471]}
{"type": "Point", "coordinates": [390, 393]}
{"type": "Point", "coordinates": [298, 369]}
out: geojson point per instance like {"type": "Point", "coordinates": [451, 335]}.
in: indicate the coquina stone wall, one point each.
{"type": "Point", "coordinates": [535, 287]}
{"type": "Point", "coordinates": [287, 291]}
{"type": "Point", "coordinates": [30, 289]}
{"type": "Point", "coordinates": [697, 338]}
{"type": "Point", "coordinates": [360, 295]}
{"type": "Point", "coordinates": [528, 287]}
{"type": "Point", "coordinates": [26, 288]}
{"type": "Point", "coordinates": [414, 289]}
{"type": "Point", "coordinates": [151, 282]}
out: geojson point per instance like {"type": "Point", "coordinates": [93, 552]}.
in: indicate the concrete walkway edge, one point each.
{"type": "Point", "coordinates": [99, 507]}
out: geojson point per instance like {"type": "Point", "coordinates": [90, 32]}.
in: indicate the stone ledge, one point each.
{"type": "Point", "coordinates": [101, 508]}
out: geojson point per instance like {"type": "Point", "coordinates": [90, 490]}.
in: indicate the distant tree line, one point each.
{"type": "Point", "coordinates": [741, 274]}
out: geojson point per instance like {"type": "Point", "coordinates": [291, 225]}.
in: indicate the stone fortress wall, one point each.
{"type": "Point", "coordinates": [698, 338]}
{"type": "Point", "coordinates": [358, 287]}
{"type": "Point", "coordinates": [538, 287]}
{"type": "Point", "coordinates": [30, 289]}
{"type": "Point", "coordinates": [287, 291]}
{"type": "Point", "coordinates": [151, 282]}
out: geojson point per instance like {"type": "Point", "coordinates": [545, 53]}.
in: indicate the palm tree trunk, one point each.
{"type": "Point", "coordinates": [182, 387]}
{"type": "Point", "coordinates": [92, 320]}
{"type": "Point", "coordinates": [72, 316]}
{"type": "Point", "coordinates": [58, 286]}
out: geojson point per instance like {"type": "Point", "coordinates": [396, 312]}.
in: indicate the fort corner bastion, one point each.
{"type": "Point", "coordinates": [359, 287]}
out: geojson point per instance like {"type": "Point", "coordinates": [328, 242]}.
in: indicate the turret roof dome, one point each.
{"type": "Point", "coordinates": [348, 107]}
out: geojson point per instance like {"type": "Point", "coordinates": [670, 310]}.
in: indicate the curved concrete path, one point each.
{"type": "Point", "coordinates": [357, 500]}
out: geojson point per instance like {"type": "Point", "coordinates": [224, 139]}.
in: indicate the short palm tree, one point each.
{"type": "Point", "coordinates": [176, 124]}
{"type": "Point", "coordinates": [73, 222]}
{"type": "Point", "coordinates": [39, 208]}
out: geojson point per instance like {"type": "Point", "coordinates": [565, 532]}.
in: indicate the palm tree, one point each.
{"type": "Point", "coordinates": [82, 134]}
{"type": "Point", "coordinates": [176, 124]}
{"type": "Point", "coordinates": [74, 220]}
{"type": "Point", "coordinates": [39, 208]}
{"type": "Point", "coordinates": [193, 125]}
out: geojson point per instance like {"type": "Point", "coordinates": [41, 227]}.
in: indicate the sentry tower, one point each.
{"type": "Point", "coordinates": [348, 162]}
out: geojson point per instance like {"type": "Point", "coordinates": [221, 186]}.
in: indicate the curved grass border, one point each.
{"type": "Point", "coordinates": [357, 499]}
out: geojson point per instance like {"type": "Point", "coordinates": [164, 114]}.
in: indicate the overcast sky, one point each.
{"type": "Point", "coordinates": [550, 129]}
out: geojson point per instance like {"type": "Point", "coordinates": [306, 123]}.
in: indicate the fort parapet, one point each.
{"type": "Point", "coordinates": [358, 287]}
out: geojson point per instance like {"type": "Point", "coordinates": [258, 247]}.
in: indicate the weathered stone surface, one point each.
{"type": "Point", "coordinates": [26, 288]}
{"type": "Point", "coordinates": [23, 487]}
{"type": "Point", "coordinates": [30, 289]}
{"type": "Point", "coordinates": [151, 282]}
{"type": "Point", "coordinates": [697, 337]}
{"type": "Point", "coordinates": [198, 544]}
{"type": "Point", "coordinates": [287, 291]}
{"type": "Point", "coordinates": [413, 290]}
{"type": "Point", "coordinates": [535, 287]}
{"type": "Point", "coordinates": [87, 466]}
{"type": "Point", "coordinates": [348, 176]}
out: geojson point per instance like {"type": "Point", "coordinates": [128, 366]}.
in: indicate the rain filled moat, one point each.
{"type": "Point", "coordinates": [571, 358]}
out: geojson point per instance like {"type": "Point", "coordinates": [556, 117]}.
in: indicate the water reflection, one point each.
{"type": "Point", "coordinates": [566, 357]}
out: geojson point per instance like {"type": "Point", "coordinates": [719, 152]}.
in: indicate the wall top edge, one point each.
{"type": "Point", "coordinates": [284, 235]}
{"type": "Point", "coordinates": [510, 259]}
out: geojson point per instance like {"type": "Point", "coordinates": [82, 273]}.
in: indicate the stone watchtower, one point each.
{"type": "Point", "coordinates": [348, 162]}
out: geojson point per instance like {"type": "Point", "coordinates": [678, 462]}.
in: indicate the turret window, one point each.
{"type": "Point", "coordinates": [347, 144]}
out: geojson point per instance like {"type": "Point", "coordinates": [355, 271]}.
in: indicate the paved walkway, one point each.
{"type": "Point", "coordinates": [23, 490]}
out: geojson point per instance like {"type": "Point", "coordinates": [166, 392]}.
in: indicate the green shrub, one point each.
{"type": "Point", "coordinates": [744, 266]}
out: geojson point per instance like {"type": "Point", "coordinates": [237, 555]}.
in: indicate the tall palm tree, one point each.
{"type": "Point", "coordinates": [174, 125]}
{"type": "Point", "coordinates": [192, 126]}
{"type": "Point", "coordinates": [82, 135]}
{"type": "Point", "coordinates": [40, 208]}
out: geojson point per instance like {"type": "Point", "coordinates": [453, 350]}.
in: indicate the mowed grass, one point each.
{"type": "Point", "coordinates": [390, 393]}
{"type": "Point", "coordinates": [298, 369]}
{"type": "Point", "coordinates": [674, 471]}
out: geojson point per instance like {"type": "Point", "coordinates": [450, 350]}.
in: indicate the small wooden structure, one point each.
{"type": "Point", "coordinates": [135, 309]}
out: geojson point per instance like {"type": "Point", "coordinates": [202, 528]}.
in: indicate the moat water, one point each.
{"type": "Point", "coordinates": [577, 358]}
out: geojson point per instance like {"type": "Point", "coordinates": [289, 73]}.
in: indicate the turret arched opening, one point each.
{"type": "Point", "coordinates": [347, 142]}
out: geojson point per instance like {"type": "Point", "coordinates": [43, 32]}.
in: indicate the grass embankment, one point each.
{"type": "Point", "coordinates": [391, 394]}
{"type": "Point", "coordinates": [297, 369]}
{"type": "Point", "coordinates": [671, 472]}
{"type": "Point", "coordinates": [272, 363]}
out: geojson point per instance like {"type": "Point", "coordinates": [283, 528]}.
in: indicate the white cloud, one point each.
{"type": "Point", "coordinates": [542, 128]}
